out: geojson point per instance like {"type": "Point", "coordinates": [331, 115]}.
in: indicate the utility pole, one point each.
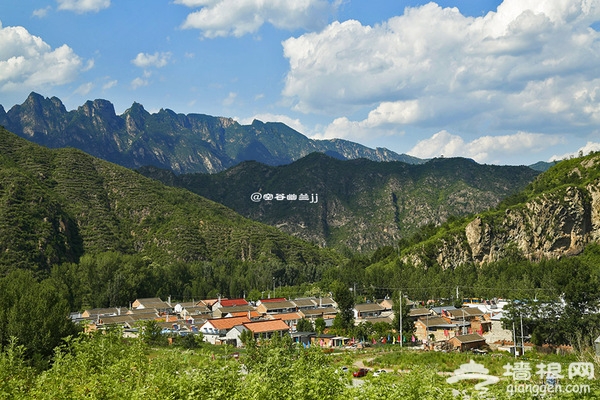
{"type": "Point", "coordinates": [522, 340]}
{"type": "Point", "coordinates": [401, 319]}
{"type": "Point", "coordinates": [514, 340]}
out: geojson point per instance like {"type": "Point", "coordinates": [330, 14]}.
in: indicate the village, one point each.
{"type": "Point", "coordinates": [476, 326]}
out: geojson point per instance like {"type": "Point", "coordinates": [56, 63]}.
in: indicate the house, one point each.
{"type": "Point", "coordinates": [230, 303]}
{"type": "Point", "coordinates": [221, 312]}
{"type": "Point", "coordinates": [276, 307]}
{"type": "Point", "coordinates": [442, 310]}
{"type": "Point", "coordinates": [416, 313]}
{"type": "Point", "coordinates": [143, 314]}
{"type": "Point", "coordinates": [191, 308]}
{"type": "Point", "coordinates": [273, 300]}
{"type": "Point", "coordinates": [153, 303]}
{"type": "Point", "coordinates": [328, 314]}
{"type": "Point", "coordinates": [467, 342]}
{"type": "Point", "coordinates": [465, 314]}
{"type": "Point", "coordinates": [305, 303]}
{"type": "Point", "coordinates": [386, 319]}
{"type": "Point", "coordinates": [325, 340]}
{"type": "Point", "coordinates": [365, 310]}
{"type": "Point", "coordinates": [214, 330]}
{"type": "Point", "coordinates": [267, 329]}
{"type": "Point", "coordinates": [303, 338]}
{"type": "Point", "coordinates": [291, 319]}
{"type": "Point", "coordinates": [232, 337]}
{"type": "Point", "coordinates": [441, 328]}
{"type": "Point", "coordinates": [94, 313]}
{"type": "Point", "coordinates": [325, 302]}
{"type": "Point", "coordinates": [123, 321]}
{"type": "Point", "coordinates": [253, 315]}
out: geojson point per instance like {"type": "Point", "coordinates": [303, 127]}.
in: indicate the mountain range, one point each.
{"type": "Point", "coordinates": [356, 205]}
{"type": "Point", "coordinates": [181, 143]}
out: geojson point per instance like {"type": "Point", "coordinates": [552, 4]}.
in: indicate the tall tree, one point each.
{"type": "Point", "coordinates": [344, 298]}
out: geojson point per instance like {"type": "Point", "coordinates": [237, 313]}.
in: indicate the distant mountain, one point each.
{"type": "Point", "coordinates": [181, 143]}
{"type": "Point", "coordinates": [542, 165]}
{"type": "Point", "coordinates": [58, 205]}
{"type": "Point", "coordinates": [361, 204]}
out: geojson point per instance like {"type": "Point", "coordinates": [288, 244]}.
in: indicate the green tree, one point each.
{"type": "Point", "coordinates": [320, 325]}
{"type": "Point", "coordinates": [151, 333]}
{"type": "Point", "coordinates": [304, 325]}
{"type": "Point", "coordinates": [344, 320]}
{"type": "Point", "coordinates": [33, 313]}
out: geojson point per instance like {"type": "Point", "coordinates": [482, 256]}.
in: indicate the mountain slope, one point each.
{"type": "Point", "coordinates": [557, 215]}
{"type": "Point", "coordinates": [57, 205]}
{"type": "Point", "coordinates": [361, 204]}
{"type": "Point", "coordinates": [181, 143]}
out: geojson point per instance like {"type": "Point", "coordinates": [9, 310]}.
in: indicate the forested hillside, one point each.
{"type": "Point", "coordinates": [362, 204]}
{"type": "Point", "coordinates": [63, 209]}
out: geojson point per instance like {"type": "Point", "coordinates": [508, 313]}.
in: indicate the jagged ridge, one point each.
{"type": "Point", "coordinates": [181, 143]}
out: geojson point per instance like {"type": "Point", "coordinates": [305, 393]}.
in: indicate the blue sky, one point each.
{"type": "Point", "coordinates": [502, 82]}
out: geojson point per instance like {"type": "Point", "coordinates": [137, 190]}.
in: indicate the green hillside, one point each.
{"type": "Point", "coordinates": [362, 204]}
{"type": "Point", "coordinates": [64, 206]}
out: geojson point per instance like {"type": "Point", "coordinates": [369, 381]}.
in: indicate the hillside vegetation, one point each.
{"type": "Point", "coordinates": [64, 206]}
{"type": "Point", "coordinates": [362, 204]}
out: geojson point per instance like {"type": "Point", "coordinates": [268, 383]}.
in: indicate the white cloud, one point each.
{"type": "Point", "coordinates": [485, 148]}
{"type": "Point", "coordinates": [532, 65]}
{"type": "Point", "coordinates": [230, 99]}
{"type": "Point", "coordinates": [41, 12]}
{"type": "Point", "coordinates": [157, 60]}
{"type": "Point", "coordinates": [293, 123]}
{"type": "Point", "coordinates": [83, 6]}
{"type": "Point", "coordinates": [27, 62]}
{"type": "Point", "coordinates": [138, 83]}
{"type": "Point", "coordinates": [240, 17]}
{"type": "Point", "coordinates": [588, 148]}
{"type": "Point", "coordinates": [110, 84]}
{"type": "Point", "coordinates": [84, 89]}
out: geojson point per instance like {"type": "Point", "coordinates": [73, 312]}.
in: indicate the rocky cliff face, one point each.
{"type": "Point", "coordinates": [556, 223]}
{"type": "Point", "coordinates": [181, 143]}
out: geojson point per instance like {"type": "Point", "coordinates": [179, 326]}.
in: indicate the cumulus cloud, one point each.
{"type": "Point", "coordinates": [27, 62]}
{"type": "Point", "coordinates": [588, 148]}
{"type": "Point", "coordinates": [156, 60]}
{"type": "Point", "coordinates": [485, 148]}
{"type": "Point", "coordinates": [532, 65]}
{"type": "Point", "coordinates": [83, 6]}
{"type": "Point", "coordinates": [240, 17]}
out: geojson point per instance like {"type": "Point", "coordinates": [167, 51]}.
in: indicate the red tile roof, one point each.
{"type": "Point", "coordinates": [273, 300]}
{"type": "Point", "coordinates": [267, 326]}
{"type": "Point", "coordinates": [233, 302]}
{"type": "Point", "coordinates": [227, 323]}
